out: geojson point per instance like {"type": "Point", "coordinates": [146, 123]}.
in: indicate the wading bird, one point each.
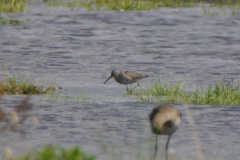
{"type": "Point", "coordinates": [125, 77]}
{"type": "Point", "coordinates": [164, 120]}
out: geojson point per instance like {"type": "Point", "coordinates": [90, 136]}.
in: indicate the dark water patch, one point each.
{"type": "Point", "coordinates": [88, 29]}
{"type": "Point", "coordinates": [163, 22]}
{"type": "Point", "coordinates": [35, 45]}
{"type": "Point", "coordinates": [148, 52]}
{"type": "Point", "coordinates": [148, 43]}
{"type": "Point", "coordinates": [151, 31]}
{"type": "Point", "coordinates": [228, 24]}
{"type": "Point", "coordinates": [164, 46]}
{"type": "Point", "coordinates": [120, 50]}
{"type": "Point", "coordinates": [8, 43]}
{"type": "Point", "coordinates": [8, 51]}
{"type": "Point", "coordinates": [31, 52]}
{"type": "Point", "coordinates": [63, 16]}
{"type": "Point", "coordinates": [22, 27]}
{"type": "Point", "coordinates": [70, 22]}
{"type": "Point", "coordinates": [42, 128]}
{"type": "Point", "coordinates": [90, 16]}
{"type": "Point", "coordinates": [216, 73]}
{"type": "Point", "coordinates": [38, 14]}
{"type": "Point", "coordinates": [56, 47]}
{"type": "Point", "coordinates": [205, 54]}
{"type": "Point", "coordinates": [66, 57]}
{"type": "Point", "coordinates": [24, 53]}
{"type": "Point", "coordinates": [178, 21]}
{"type": "Point", "coordinates": [193, 43]}
{"type": "Point", "coordinates": [160, 57]}
{"type": "Point", "coordinates": [57, 53]}
{"type": "Point", "coordinates": [68, 38]}
{"type": "Point", "coordinates": [76, 47]}
{"type": "Point", "coordinates": [225, 38]}
{"type": "Point", "coordinates": [142, 36]}
{"type": "Point", "coordinates": [25, 48]}
{"type": "Point", "coordinates": [231, 109]}
{"type": "Point", "coordinates": [50, 65]}
{"type": "Point", "coordinates": [36, 41]}
{"type": "Point", "coordinates": [115, 56]}
{"type": "Point", "coordinates": [86, 34]}
{"type": "Point", "coordinates": [237, 58]}
{"type": "Point", "coordinates": [193, 16]}
{"type": "Point", "coordinates": [49, 118]}
{"type": "Point", "coordinates": [180, 72]}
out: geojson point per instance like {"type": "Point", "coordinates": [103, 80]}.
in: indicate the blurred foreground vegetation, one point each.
{"type": "Point", "coordinates": [58, 153]}
{"type": "Point", "coordinates": [14, 6]}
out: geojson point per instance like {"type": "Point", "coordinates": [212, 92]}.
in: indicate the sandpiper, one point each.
{"type": "Point", "coordinates": [125, 77]}
{"type": "Point", "coordinates": [164, 120]}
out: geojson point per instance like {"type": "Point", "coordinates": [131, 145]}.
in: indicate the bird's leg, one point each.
{"type": "Point", "coordinates": [167, 146]}
{"type": "Point", "coordinates": [156, 147]}
{"type": "Point", "coordinates": [127, 88]}
{"type": "Point", "coordinates": [135, 86]}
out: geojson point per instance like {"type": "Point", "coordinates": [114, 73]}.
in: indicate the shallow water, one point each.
{"type": "Point", "coordinates": [78, 49]}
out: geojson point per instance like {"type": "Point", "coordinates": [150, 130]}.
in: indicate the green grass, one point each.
{"type": "Point", "coordinates": [146, 5]}
{"type": "Point", "coordinates": [12, 85]}
{"type": "Point", "coordinates": [4, 21]}
{"type": "Point", "coordinates": [118, 5]}
{"type": "Point", "coordinates": [12, 6]}
{"type": "Point", "coordinates": [58, 153]}
{"type": "Point", "coordinates": [221, 10]}
{"type": "Point", "coordinates": [221, 93]}
{"type": "Point", "coordinates": [65, 3]}
{"type": "Point", "coordinates": [130, 5]}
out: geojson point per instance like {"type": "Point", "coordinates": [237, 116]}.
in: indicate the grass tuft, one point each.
{"type": "Point", "coordinates": [24, 86]}
{"type": "Point", "coordinates": [13, 86]}
{"type": "Point", "coordinates": [13, 6]}
{"type": "Point", "coordinates": [4, 21]}
{"type": "Point", "coordinates": [58, 153]}
{"type": "Point", "coordinates": [210, 7]}
{"type": "Point", "coordinates": [222, 93]}
{"type": "Point", "coordinates": [121, 5]}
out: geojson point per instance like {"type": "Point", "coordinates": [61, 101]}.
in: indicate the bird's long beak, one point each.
{"type": "Point", "coordinates": [108, 79]}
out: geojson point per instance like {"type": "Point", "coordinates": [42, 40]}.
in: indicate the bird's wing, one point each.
{"type": "Point", "coordinates": [133, 76]}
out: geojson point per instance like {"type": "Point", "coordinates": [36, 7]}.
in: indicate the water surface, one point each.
{"type": "Point", "coordinates": [78, 49]}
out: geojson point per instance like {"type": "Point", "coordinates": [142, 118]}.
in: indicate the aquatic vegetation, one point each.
{"type": "Point", "coordinates": [121, 5]}
{"type": "Point", "coordinates": [58, 153]}
{"type": "Point", "coordinates": [221, 10]}
{"type": "Point", "coordinates": [12, 85]}
{"type": "Point", "coordinates": [7, 21]}
{"type": "Point", "coordinates": [146, 5]}
{"type": "Point", "coordinates": [13, 6]}
{"type": "Point", "coordinates": [221, 93]}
